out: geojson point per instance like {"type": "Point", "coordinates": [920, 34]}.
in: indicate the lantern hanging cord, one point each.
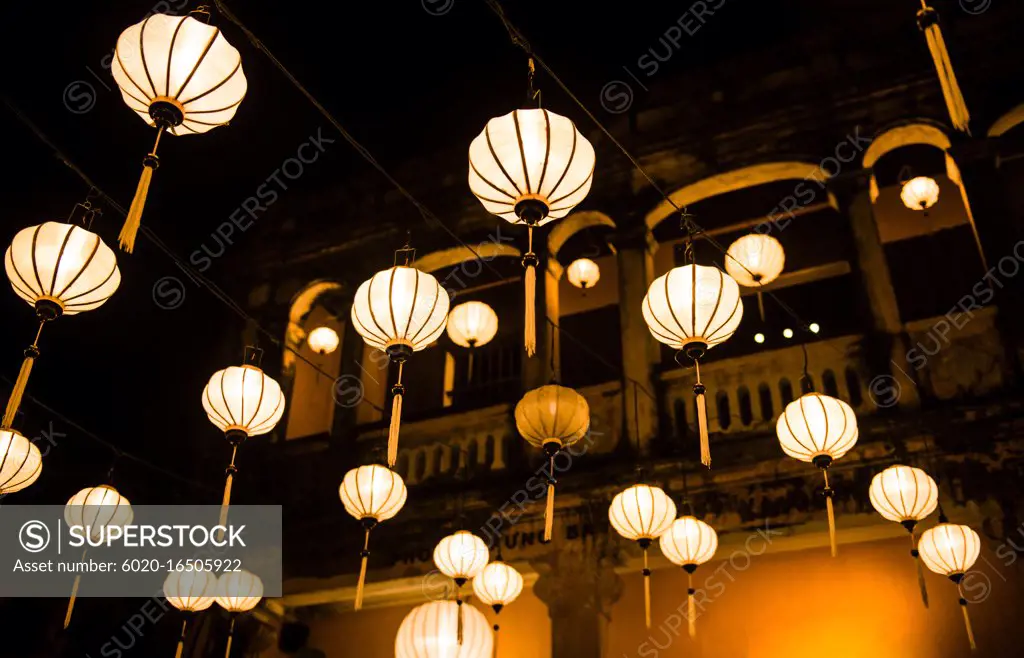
{"type": "Point", "coordinates": [187, 269]}
{"type": "Point", "coordinates": [425, 212]}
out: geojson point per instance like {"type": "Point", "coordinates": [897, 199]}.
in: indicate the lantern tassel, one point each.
{"type": "Point", "coordinates": [530, 280]}
{"type": "Point", "coordinates": [831, 515]}
{"type": "Point", "coordinates": [134, 218]}
{"type": "Point", "coordinates": [181, 640]}
{"type": "Point", "coordinates": [226, 500]}
{"type": "Point", "coordinates": [928, 22]}
{"type": "Point", "coordinates": [647, 591]}
{"type": "Point", "coordinates": [460, 623]}
{"type": "Point", "coordinates": [549, 510]}
{"type": "Point", "coordinates": [702, 419]}
{"type": "Point", "coordinates": [691, 607]}
{"type": "Point", "coordinates": [396, 417]}
{"type": "Point", "coordinates": [362, 572]}
{"type": "Point", "coordinates": [967, 624]}
{"type": "Point", "coordinates": [21, 383]}
{"type": "Point", "coordinates": [760, 305]}
{"type": "Point", "coordinates": [231, 637]}
{"type": "Point", "coordinates": [74, 595]}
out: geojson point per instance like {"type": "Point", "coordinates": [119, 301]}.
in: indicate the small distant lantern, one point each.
{"type": "Point", "coordinates": [400, 311]}
{"type": "Point", "coordinates": [552, 417]}
{"type": "Point", "coordinates": [461, 556]}
{"type": "Point", "coordinates": [431, 630]}
{"type": "Point", "coordinates": [498, 585]}
{"type": "Point", "coordinates": [180, 76]}
{"type": "Point", "coordinates": [951, 550]}
{"type": "Point", "coordinates": [755, 260]}
{"type": "Point", "coordinates": [692, 309]}
{"type": "Point", "coordinates": [323, 340]}
{"type": "Point", "coordinates": [920, 193]}
{"type": "Point", "coordinates": [371, 494]}
{"type": "Point", "coordinates": [191, 592]}
{"type": "Point", "coordinates": [642, 513]}
{"type": "Point", "coordinates": [906, 495]}
{"type": "Point", "coordinates": [242, 401]}
{"type": "Point", "coordinates": [472, 324]}
{"type": "Point", "coordinates": [530, 167]}
{"type": "Point", "coordinates": [583, 273]}
{"type": "Point", "coordinates": [689, 543]}
{"type": "Point", "coordinates": [238, 592]}
{"type": "Point", "coordinates": [818, 429]}
{"type": "Point", "coordinates": [20, 462]}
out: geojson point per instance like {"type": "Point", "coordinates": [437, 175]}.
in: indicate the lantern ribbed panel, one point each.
{"type": "Point", "coordinates": [553, 413]}
{"type": "Point", "coordinates": [400, 306]}
{"type": "Point", "coordinates": [760, 254]}
{"type": "Point", "coordinates": [693, 304]}
{"type": "Point", "coordinates": [181, 60]}
{"type": "Point", "coordinates": [949, 549]}
{"type": "Point", "coordinates": [689, 541]}
{"type": "Point", "coordinates": [190, 591]}
{"type": "Point", "coordinates": [461, 555]}
{"type": "Point", "coordinates": [903, 493]}
{"type": "Point", "coordinates": [920, 193]}
{"type": "Point", "coordinates": [243, 398]}
{"type": "Point", "coordinates": [63, 263]}
{"type": "Point", "coordinates": [239, 591]}
{"type": "Point", "coordinates": [431, 631]}
{"type": "Point", "coordinates": [20, 462]}
{"type": "Point", "coordinates": [97, 508]}
{"type": "Point", "coordinates": [816, 424]}
{"type": "Point", "coordinates": [498, 584]}
{"type": "Point", "coordinates": [530, 154]}
{"type": "Point", "coordinates": [583, 273]}
{"type": "Point", "coordinates": [323, 340]}
{"type": "Point", "coordinates": [372, 491]}
{"type": "Point", "coordinates": [642, 512]}
{"type": "Point", "coordinates": [472, 324]}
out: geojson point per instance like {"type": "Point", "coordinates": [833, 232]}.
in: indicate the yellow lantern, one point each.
{"type": "Point", "coordinates": [371, 494]}
{"type": "Point", "coordinates": [583, 273]}
{"type": "Point", "coordinates": [179, 75]}
{"type": "Point", "coordinates": [20, 462]}
{"type": "Point", "coordinates": [461, 556]}
{"type": "Point", "coordinates": [242, 401]}
{"type": "Point", "coordinates": [60, 269]}
{"type": "Point", "coordinates": [530, 167]}
{"type": "Point", "coordinates": [191, 592]}
{"type": "Point", "coordinates": [323, 340]}
{"type": "Point", "coordinates": [689, 543]}
{"type": "Point", "coordinates": [642, 513]}
{"type": "Point", "coordinates": [238, 592]}
{"type": "Point", "coordinates": [472, 324]}
{"type": "Point", "coordinates": [906, 495]}
{"type": "Point", "coordinates": [552, 417]}
{"type": "Point", "coordinates": [920, 193]}
{"type": "Point", "coordinates": [91, 511]}
{"type": "Point", "coordinates": [818, 429]}
{"type": "Point", "coordinates": [498, 585]}
{"type": "Point", "coordinates": [951, 550]}
{"type": "Point", "coordinates": [400, 311]}
{"type": "Point", "coordinates": [431, 630]}
{"type": "Point", "coordinates": [693, 308]}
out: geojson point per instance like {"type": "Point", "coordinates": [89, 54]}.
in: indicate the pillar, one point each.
{"type": "Point", "coordinates": [537, 370]}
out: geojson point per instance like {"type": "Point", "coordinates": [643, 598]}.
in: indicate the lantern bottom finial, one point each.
{"type": "Point", "coordinates": [399, 352]}
{"type": "Point", "coordinates": [166, 112]}
{"type": "Point", "coordinates": [235, 436]}
{"type": "Point", "coordinates": [531, 210]}
{"type": "Point", "coordinates": [822, 461]}
{"type": "Point", "coordinates": [49, 308]}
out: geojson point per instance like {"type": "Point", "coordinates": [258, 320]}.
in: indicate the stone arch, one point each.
{"type": "Point", "coordinates": [438, 260]}
{"type": "Point", "coordinates": [301, 305]}
{"type": "Point", "coordinates": [733, 181]}
{"type": "Point", "coordinates": [908, 134]}
{"type": "Point", "coordinates": [573, 224]}
{"type": "Point", "coordinates": [1007, 122]}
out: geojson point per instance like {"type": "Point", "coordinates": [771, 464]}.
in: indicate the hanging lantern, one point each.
{"type": "Point", "coordinates": [642, 513]}
{"type": "Point", "coordinates": [371, 494]}
{"type": "Point", "coordinates": [692, 309]}
{"type": "Point", "coordinates": [530, 167]}
{"type": "Point", "coordinates": [928, 22]}
{"type": "Point", "coordinates": [906, 495]}
{"type": "Point", "coordinates": [400, 311]}
{"type": "Point", "coordinates": [920, 193]}
{"type": "Point", "coordinates": [689, 543]}
{"type": "Point", "coordinates": [180, 76]}
{"type": "Point", "coordinates": [818, 429]}
{"type": "Point", "coordinates": [461, 556]}
{"type": "Point", "coordinates": [242, 401]}
{"type": "Point", "coordinates": [583, 273]}
{"type": "Point", "coordinates": [191, 592]}
{"type": "Point", "coordinates": [755, 260]}
{"type": "Point", "coordinates": [552, 417]}
{"type": "Point", "coordinates": [951, 550]}
{"type": "Point", "coordinates": [20, 462]}
{"type": "Point", "coordinates": [472, 324]}
{"type": "Point", "coordinates": [92, 510]}
{"type": "Point", "coordinates": [60, 269]}
{"type": "Point", "coordinates": [323, 340]}
{"type": "Point", "coordinates": [497, 585]}
{"type": "Point", "coordinates": [431, 631]}
{"type": "Point", "coordinates": [238, 592]}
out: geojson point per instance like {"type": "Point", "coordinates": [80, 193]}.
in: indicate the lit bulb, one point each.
{"type": "Point", "coordinates": [814, 327]}
{"type": "Point", "coordinates": [787, 333]}
{"type": "Point", "coordinates": [758, 338]}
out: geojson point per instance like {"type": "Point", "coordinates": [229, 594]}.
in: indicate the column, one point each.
{"type": "Point", "coordinates": [889, 358]}
{"type": "Point", "coordinates": [537, 370]}
{"type": "Point", "coordinates": [636, 246]}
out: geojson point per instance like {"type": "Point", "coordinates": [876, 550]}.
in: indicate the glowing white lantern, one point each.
{"type": "Point", "coordinates": [20, 462]}
{"type": "Point", "coordinates": [371, 494]}
{"type": "Point", "coordinates": [432, 630]}
{"type": "Point", "coordinates": [190, 591]}
{"type": "Point", "coordinates": [642, 513]}
{"type": "Point", "coordinates": [755, 260]}
{"type": "Point", "coordinates": [920, 193]}
{"type": "Point", "coordinates": [399, 311]}
{"type": "Point", "coordinates": [689, 543]}
{"type": "Point", "coordinates": [461, 556]}
{"type": "Point", "coordinates": [179, 75]}
{"type": "Point", "coordinates": [238, 592]}
{"type": "Point", "coordinates": [323, 340]}
{"type": "Point", "coordinates": [498, 585]}
{"type": "Point", "coordinates": [951, 550]}
{"type": "Point", "coordinates": [472, 324]}
{"type": "Point", "coordinates": [583, 273]}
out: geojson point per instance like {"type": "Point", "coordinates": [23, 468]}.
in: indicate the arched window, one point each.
{"type": "Point", "coordinates": [853, 386]}
{"type": "Point", "coordinates": [722, 404]}
{"type": "Point", "coordinates": [746, 411]}
{"type": "Point", "coordinates": [785, 391]}
{"type": "Point", "coordinates": [828, 383]}
{"type": "Point", "coordinates": [764, 394]}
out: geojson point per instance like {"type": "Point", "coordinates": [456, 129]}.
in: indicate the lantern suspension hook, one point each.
{"type": "Point", "coordinates": [201, 13]}
{"type": "Point", "coordinates": [407, 254]}
{"type": "Point", "coordinates": [252, 356]}
{"type": "Point", "coordinates": [532, 93]}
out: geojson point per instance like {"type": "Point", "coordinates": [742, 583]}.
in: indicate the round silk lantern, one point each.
{"type": "Point", "coordinates": [472, 324]}
{"type": "Point", "coordinates": [238, 592]}
{"type": "Point", "coordinates": [920, 193]}
{"type": "Point", "coordinates": [552, 417]}
{"type": "Point", "coordinates": [583, 273]}
{"type": "Point", "coordinates": [951, 550]}
{"type": "Point", "coordinates": [497, 585]}
{"type": "Point", "coordinates": [20, 462]}
{"type": "Point", "coordinates": [689, 543]}
{"type": "Point", "coordinates": [461, 556]}
{"type": "Point", "coordinates": [323, 340]}
{"type": "Point", "coordinates": [191, 592]}
{"type": "Point", "coordinates": [755, 260]}
{"type": "Point", "coordinates": [431, 631]}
